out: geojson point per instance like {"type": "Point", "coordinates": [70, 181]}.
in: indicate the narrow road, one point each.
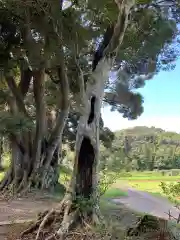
{"type": "Point", "coordinates": [147, 203]}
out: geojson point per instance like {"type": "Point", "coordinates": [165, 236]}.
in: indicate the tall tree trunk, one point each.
{"type": "Point", "coordinates": [84, 183]}
{"type": "Point", "coordinates": [85, 177]}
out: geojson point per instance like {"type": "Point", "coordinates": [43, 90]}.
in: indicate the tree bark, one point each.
{"type": "Point", "coordinates": [85, 175]}
{"type": "Point", "coordinates": [1, 154]}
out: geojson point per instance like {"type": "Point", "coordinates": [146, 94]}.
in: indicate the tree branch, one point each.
{"type": "Point", "coordinates": [63, 105]}
{"type": "Point", "coordinates": [39, 93]}
{"type": "Point", "coordinates": [13, 109]}
{"type": "Point", "coordinates": [56, 134]}
{"type": "Point", "coordinates": [114, 34]}
{"type": "Point", "coordinates": [17, 94]}
{"type": "Point", "coordinates": [124, 7]}
{"type": "Point", "coordinates": [80, 81]}
{"type": "Point", "coordinates": [26, 76]}
{"type": "Point", "coordinates": [18, 143]}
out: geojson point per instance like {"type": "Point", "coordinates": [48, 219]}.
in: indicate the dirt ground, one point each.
{"type": "Point", "coordinates": [13, 213]}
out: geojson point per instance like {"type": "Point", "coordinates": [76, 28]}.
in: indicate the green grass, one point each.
{"type": "Point", "coordinates": [152, 187]}
{"type": "Point", "coordinates": [146, 186]}
{"type": "Point", "coordinates": [147, 182]}
{"type": "Point", "coordinates": [148, 175]}
{"type": "Point", "coordinates": [115, 192]}
{"type": "Point", "coordinates": [162, 178]}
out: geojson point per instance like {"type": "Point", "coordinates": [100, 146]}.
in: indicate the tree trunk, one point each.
{"type": "Point", "coordinates": [85, 177]}
{"type": "Point", "coordinates": [22, 176]}
{"type": "Point", "coordinates": [35, 157]}
{"type": "Point", "coordinates": [1, 154]}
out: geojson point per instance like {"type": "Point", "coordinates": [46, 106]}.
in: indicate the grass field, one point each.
{"type": "Point", "coordinates": [151, 176]}
{"type": "Point", "coordinates": [147, 181]}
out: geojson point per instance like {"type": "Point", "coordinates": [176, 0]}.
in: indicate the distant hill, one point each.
{"type": "Point", "coordinates": [146, 133]}
{"type": "Point", "coordinates": [144, 148]}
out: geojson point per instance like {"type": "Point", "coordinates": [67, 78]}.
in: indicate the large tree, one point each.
{"type": "Point", "coordinates": [31, 52]}
{"type": "Point", "coordinates": [62, 44]}
{"type": "Point", "coordinates": [27, 120]}
{"type": "Point", "coordinates": [92, 83]}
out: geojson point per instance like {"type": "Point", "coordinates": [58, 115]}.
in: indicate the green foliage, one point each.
{"type": "Point", "coordinates": [14, 123]}
{"type": "Point", "coordinates": [171, 190]}
{"type": "Point", "coordinates": [106, 180]}
{"type": "Point", "coordinates": [84, 204]}
{"type": "Point", "coordinates": [143, 148]}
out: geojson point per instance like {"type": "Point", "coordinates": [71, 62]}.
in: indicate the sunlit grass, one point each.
{"type": "Point", "coordinates": [146, 186]}
{"type": "Point", "coordinates": [149, 175]}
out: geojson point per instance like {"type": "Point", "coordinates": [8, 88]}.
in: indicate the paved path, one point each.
{"type": "Point", "coordinates": [145, 202]}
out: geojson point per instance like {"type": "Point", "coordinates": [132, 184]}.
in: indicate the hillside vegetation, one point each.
{"type": "Point", "coordinates": [143, 148]}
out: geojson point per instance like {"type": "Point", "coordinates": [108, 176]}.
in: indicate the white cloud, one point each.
{"type": "Point", "coordinates": [115, 121]}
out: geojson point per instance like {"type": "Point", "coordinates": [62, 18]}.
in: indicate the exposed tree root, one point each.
{"type": "Point", "coordinates": [60, 221]}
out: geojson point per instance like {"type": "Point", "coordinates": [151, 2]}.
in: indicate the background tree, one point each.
{"type": "Point", "coordinates": [150, 149]}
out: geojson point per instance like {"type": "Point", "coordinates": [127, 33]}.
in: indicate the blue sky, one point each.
{"type": "Point", "coordinates": [161, 104]}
